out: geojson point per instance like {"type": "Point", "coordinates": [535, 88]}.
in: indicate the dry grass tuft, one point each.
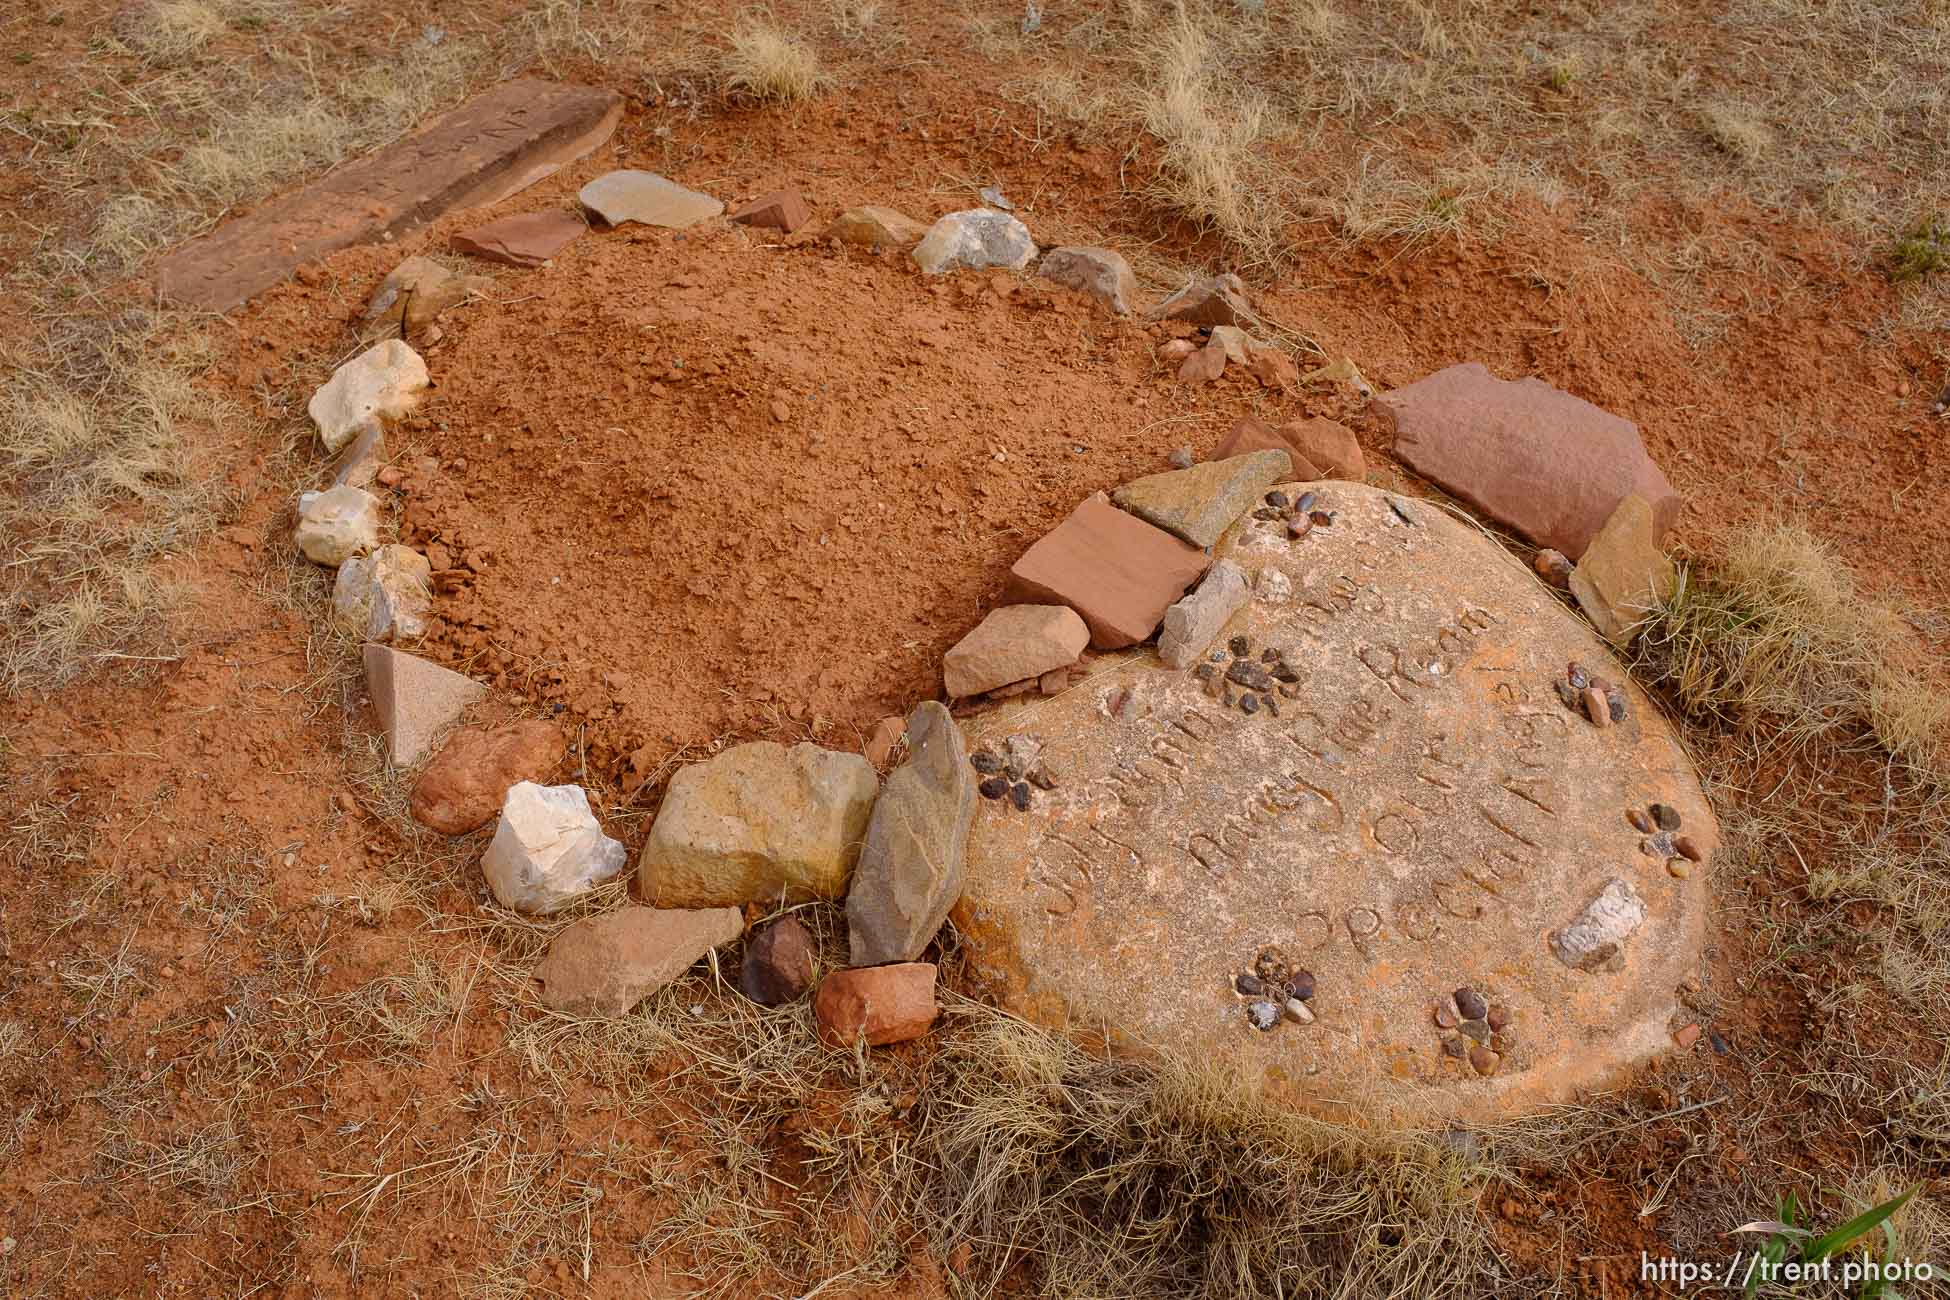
{"type": "Point", "coordinates": [1779, 640]}
{"type": "Point", "coordinates": [1215, 166]}
{"type": "Point", "coordinates": [769, 64]}
{"type": "Point", "coordinates": [1116, 1178]}
{"type": "Point", "coordinates": [108, 443]}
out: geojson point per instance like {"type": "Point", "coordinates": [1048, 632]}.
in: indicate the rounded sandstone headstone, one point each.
{"type": "Point", "coordinates": [1414, 812]}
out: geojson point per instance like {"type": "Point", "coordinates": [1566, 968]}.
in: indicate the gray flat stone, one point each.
{"type": "Point", "coordinates": [1195, 622]}
{"type": "Point", "coordinates": [647, 198]}
{"type": "Point", "coordinates": [912, 865]}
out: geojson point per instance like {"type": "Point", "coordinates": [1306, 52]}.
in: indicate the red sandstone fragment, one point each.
{"type": "Point", "coordinates": [886, 1004]}
{"type": "Point", "coordinates": [1115, 570]}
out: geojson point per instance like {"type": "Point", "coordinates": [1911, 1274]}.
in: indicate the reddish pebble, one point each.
{"type": "Point", "coordinates": [1686, 1037]}
{"type": "Point", "coordinates": [1597, 707]}
{"type": "Point", "coordinates": [884, 1004]}
{"type": "Point", "coordinates": [1684, 846]}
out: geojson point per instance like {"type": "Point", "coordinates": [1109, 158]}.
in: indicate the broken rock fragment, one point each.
{"type": "Point", "coordinates": [1204, 365]}
{"type": "Point", "coordinates": [382, 383]}
{"type": "Point", "coordinates": [605, 965]}
{"type": "Point", "coordinates": [779, 963]}
{"type": "Point", "coordinates": [1196, 621]}
{"type": "Point", "coordinates": [1208, 300]}
{"type": "Point", "coordinates": [911, 866]}
{"type": "Point", "coordinates": [624, 196]}
{"type": "Point", "coordinates": [781, 210]}
{"type": "Point", "coordinates": [384, 596]}
{"type": "Point", "coordinates": [882, 1004]}
{"type": "Point", "coordinates": [417, 291]}
{"type": "Point", "coordinates": [1623, 575]}
{"type": "Point", "coordinates": [337, 524]}
{"type": "Point", "coordinates": [975, 240]}
{"type": "Point", "coordinates": [1250, 434]}
{"type": "Point", "coordinates": [757, 823]}
{"type": "Point", "coordinates": [548, 849]}
{"type": "Point", "coordinates": [1012, 644]}
{"type": "Point", "coordinates": [415, 700]}
{"type": "Point", "coordinates": [1552, 466]}
{"type": "Point", "coordinates": [1117, 572]}
{"type": "Point", "coordinates": [1200, 503]}
{"type": "Point", "coordinates": [871, 226]}
{"type": "Point", "coordinates": [463, 788]}
{"type": "Point", "coordinates": [1600, 931]}
{"type": "Point", "coordinates": [359, 464]}
{"type": "Point", "coordinates": [526, 239]}
{"type": "Point", "coordinates": [1100, 272]}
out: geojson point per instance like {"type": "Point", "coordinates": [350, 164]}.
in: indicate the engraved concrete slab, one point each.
{"type": "Point", "coordinates": [1422, 814]}
{"type": "Point", "coordinates": [496, 144]}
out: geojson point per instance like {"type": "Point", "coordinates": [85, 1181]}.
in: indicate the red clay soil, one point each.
{"type": "Point", "coordinates": [726, 486]}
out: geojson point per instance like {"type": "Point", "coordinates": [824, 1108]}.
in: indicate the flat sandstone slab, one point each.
{"type": "Point", "coordinates": [1423, 814]}
{"type": "Point", "coordinates": [500, 142]}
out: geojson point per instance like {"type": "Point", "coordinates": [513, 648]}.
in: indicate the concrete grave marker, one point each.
{"type": "Point", "coordinates": [496, 144]}
{"type": "Point", "coordinates": [1421, 814]}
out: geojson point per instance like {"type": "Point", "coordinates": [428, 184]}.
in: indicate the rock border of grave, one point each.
{"type": "Point", "coordinates": [548, 849]}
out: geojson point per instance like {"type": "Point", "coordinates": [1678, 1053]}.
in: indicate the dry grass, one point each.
{"type": "Point", "coordinates": [767, 63]}
{"type": "Point", "coordinates": [1215, 162]}
{"type": "Point", "coordinates": [109, 445]}
{"type": "Point", "coordinates": [1114, 1178]}
{"type": "Point", "coordinates": [1779, 640]}
{"type": "Point", "coordinates": [1292, 113]}
{"type": "Point", "coordinates": [1837, 762]}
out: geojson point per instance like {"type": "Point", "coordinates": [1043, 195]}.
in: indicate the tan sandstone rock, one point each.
{"type": "Point", "coordinates": [384, 596]}
{"type": "Point", "coordinates": [607, 964]}
{"type": "Point", "coordinates": [758, 823]}
{"type": "Point", "coordinates": [1623, 574]}
{"type": "Point", "coordinates": [463, 788]}
{"type": "Point", "coordinates": [1422, 814]}
{"type": "Point", "coordinates": [416, 292]}
{"type": "Point", "coordinates": [337, 524]}
{"type": "Point", "coordinates": [871, 226]}
{"type": "Point", "coordinates": [382, 383]}
{"type": "Point", "coordinates": [1011, 644]}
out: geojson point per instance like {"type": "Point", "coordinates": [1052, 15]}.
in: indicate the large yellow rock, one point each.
{"type": "Point", "coordinates": [756, 824]}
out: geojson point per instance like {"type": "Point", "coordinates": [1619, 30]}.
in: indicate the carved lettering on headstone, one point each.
{"type": "Point", "coordinates": [1420, 813]}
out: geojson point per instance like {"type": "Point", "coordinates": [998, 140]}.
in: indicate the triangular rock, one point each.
{"type": "Point", "coordinates": [1623, 573]}
{"type": "Point", "coordinates": [415, 700]}
{"type": "Point", "coordinates": [1200, 503]}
